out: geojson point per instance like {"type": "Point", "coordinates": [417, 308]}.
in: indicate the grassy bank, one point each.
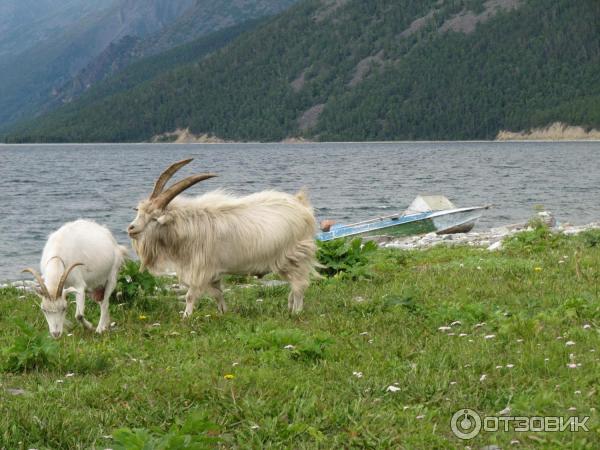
{"type": "Point", "coordinates": [366, 364]}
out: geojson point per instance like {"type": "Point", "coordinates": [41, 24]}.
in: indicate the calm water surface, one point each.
{"type": "Point", "coordinates": [43, 186]}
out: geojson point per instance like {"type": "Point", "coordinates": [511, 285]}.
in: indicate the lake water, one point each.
{"type": "Point", "coordinates": [43, 186]}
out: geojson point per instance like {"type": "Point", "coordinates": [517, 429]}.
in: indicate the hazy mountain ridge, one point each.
{"type": "Point", "coordinates": [74, 54]}
{"type": "Point", "coordinates": [351, 70]}
{"type": "Point", "coordinates": [198, 20]}
{"type": "Point", "coordinates": [25, 23]}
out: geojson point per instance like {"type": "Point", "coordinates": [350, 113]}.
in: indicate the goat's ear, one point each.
{"type": "Point", "coordinates": [70, 290]}
{"type": "Point", "coordinates": [165, 218]}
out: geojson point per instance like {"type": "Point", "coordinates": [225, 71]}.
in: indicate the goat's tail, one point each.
{"type": "Point", "coordinates": [123, 253]}
{"type": "Point", "coordinates": [308, 250]}
{"type": "Point", "coordinates": [302, 196]}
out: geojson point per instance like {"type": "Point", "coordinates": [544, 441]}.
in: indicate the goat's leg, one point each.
{"type": "Point", "coordinates": [190, 300]}
{"type": "Point", "coordinates": [299, 279]}
{"type": "Point", "coordinates": [215, 291]}
{"type": "Point", "coordinates": [104, 322]}
{"type": "Point", "coordinates": [298, 286]}
{"type": "Point", "coordinates": [80, 309]}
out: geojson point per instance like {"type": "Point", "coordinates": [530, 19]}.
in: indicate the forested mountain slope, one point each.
{"type": "Point", "coordinates": [354, 70]}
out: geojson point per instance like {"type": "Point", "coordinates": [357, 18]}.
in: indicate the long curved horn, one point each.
{"type": "Point", "coordinates": [165, 198]}
{"type": "Point", "coordinates": [164, 177]}
{"type": "Point", "coordinates": [38, 277]}
{"type": "Point", "coordinates": [64, 277]}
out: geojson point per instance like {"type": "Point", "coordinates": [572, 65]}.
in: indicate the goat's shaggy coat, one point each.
{"type": "Point", "coordinates": [202, 238]}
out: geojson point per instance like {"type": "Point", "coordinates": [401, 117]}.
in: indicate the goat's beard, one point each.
{"type": "Point", "coordinates": [155, 247]}
{"type": "Point", "coordinates": [147, 248]}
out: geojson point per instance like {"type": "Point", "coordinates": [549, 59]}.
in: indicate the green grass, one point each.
{"type": "Point", "coordinates": [167, 377]}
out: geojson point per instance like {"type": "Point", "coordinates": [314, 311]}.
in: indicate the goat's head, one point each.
{"type": "Point", "coordinates": [151, 212]}
{"type": "Point", "coordinates": [54, 305]}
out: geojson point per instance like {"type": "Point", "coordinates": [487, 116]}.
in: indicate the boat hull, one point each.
{"type": "Point", "coordinates": [441, 222]}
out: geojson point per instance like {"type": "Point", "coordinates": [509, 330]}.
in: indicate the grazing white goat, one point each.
{"type": "Point", "coordinates": [79, 256]}
{"type": "Point", "coordinates": [202, 238]}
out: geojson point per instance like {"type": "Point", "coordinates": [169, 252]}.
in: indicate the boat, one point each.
{"type": "Point", "coordinates": [426, 214]}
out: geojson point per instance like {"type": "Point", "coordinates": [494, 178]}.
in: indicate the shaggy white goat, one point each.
{"type": "Point", "coordinates": [79, 256]}
{"type": "Point", "coordinates": [202, 238]}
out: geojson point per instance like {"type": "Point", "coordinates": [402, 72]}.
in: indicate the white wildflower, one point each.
{"type": "Point", "coordinates": [289, 347]}
{"type": "Point", "coordinates": [357, 374]}
{"type": "Point", "coordinates": [392, 388]}
{"type": "Point", "coordinates": [569, 343]}
{"type": "Point", "coordinates": [482, 377]}
{"type": "Point", "coordinates": [489, 336]}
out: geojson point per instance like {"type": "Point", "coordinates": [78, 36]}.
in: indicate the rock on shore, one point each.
{"type": "Point", "coordinates": [490, 239]}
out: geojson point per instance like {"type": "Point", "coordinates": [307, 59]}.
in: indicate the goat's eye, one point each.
{"type": "Point", "coordinates": [135, 209]}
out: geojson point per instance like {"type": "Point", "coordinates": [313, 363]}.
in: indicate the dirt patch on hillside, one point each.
{"type": "Point", "coordinates": [184, 136]}
{"type": "Point", "coordinates": [329, 7]}
{"type": "Point", "coordinates": [298, 83]}
{"type": "Point", "coordinates": [556, 131]}
{"type": "Point", "coordinates": [417, 24]}
{"type": "Point", "coordinates": [364, 67]}
{"type": "Point", "coordinates": [310, 117]}
{"type": "Point", "coordinates": [467, 21]}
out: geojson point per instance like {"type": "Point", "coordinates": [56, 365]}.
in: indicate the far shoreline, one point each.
{"type": "Point", "coordinates": [494, 141]}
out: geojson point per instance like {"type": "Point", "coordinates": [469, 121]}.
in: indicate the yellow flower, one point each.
{"type": "Point", "coordinates": [229, 376]}
{"type": "Point", "coordinates": [537, 269]}
{"type": "Point", "coordinates": [142, 317]}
